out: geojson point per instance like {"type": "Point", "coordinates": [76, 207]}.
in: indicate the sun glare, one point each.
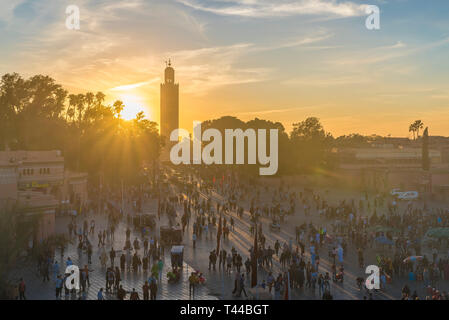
{"type": "Point", "coordinates": [133, 105]}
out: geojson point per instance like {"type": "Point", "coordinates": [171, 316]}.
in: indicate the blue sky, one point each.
{"type": "Point", "coordinates": [282, 60]}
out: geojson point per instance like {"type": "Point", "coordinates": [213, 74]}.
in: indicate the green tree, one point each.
{"type": "Point", "coordinates": [311, 145]}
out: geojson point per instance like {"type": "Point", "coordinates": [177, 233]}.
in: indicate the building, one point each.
{"type": "Point", "coordinates": [75, 187]}
{"type": "Point", "coordinates": [384, 167]}
{"type": "Point", "coordinates": [37, 184]}
{"type": "Point", "coordinates": [8, 181]}
{"type": "Point", "coordinates": [169, 109]}
{"type": "Point", "coordinates": [385, 157]}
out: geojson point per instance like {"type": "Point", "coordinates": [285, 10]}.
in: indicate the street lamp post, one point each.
{"type": "Point", "coordinates": [254, 261]}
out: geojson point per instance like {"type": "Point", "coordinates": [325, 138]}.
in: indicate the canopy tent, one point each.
{"type": "Point", "coordinates": [384, 229]}
{"type": "Point", "coordinates": [384, 240]}
{"type": "Point", "coordinates": [439, 233]}
{"type": "Point", "coordinates": [177, 249]}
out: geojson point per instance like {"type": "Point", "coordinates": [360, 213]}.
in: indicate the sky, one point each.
{"type": "Point", "coordinates": [280, 60]}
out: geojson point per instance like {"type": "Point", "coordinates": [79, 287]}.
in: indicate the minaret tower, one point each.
{"type": "Point", "coordinates": [169, 109]}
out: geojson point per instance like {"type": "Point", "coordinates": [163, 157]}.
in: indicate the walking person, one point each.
{"type": "Point", "coordinates": [59, 284]}
{"type": "Point", "coordinates": [192, 283]}
{"type": "Point", "coordinates": [103, 258]}
{"type": "Point", "coordinates": [160, 266]}
{"type": "Point", "coordinates": [112, 256]}
{"type": "Point", "coordinates": [153, 290]}
{"type": "Point", "coordinates": [55, 270]}
{"type": "Point", "coordinates": [242, 286]}
{"type": "Point", "coordinates": [89, 253]}
{"type": "Point", "coordinates": [146, 291]}
{"type": "Point", "coordinates": [22, 289]}
{"type": "Point", "coordinates": [100, 294]}
{"type": "Point", "coordinates": [117, 279]}
{"type": "Point", "coordinates": [278, 288]}
{"type": "Point", "coordinates": [46, 271]}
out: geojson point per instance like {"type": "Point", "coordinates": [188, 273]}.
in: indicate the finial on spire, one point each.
{"type": "Point", "coordinates": [169, 63]}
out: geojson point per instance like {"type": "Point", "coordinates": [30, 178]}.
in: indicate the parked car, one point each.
{"type": "Point", "coordinates": [395, 192]}
{"type": "Point", "coordinates": [409, 195]}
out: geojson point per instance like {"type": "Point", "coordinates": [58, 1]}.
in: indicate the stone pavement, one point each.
{"type": "Point", "coordinates": [347, 290]}
{"type": "Point", "coordinates": [218, 285]}
{"type": "Point", "coordinates": [36, 289]}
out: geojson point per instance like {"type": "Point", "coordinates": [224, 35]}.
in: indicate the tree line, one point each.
{"type": "Point", "coordinates": [39, 114]}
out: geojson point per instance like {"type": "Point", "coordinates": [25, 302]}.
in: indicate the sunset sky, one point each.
{"type": "Point", "coordinates": [282, 60]}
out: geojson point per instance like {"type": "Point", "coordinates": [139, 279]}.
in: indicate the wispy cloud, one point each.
{"type": "Point", "coordinates": [134, 85]}
{"type": "Point", "coordinates": [204, 69]}
{"type": "Point", "coordinates": [207, 68]}
{"type": "Point", "coordinates": [328, 80]}
{"type": "Point", "coordinates": [275, 110]}
{"type": "Point", "coordinates": [280, 8]}
{"type": "Point", "coordinates": [7, 9]}
{"type": "Point", "coordinates": [385, 53]}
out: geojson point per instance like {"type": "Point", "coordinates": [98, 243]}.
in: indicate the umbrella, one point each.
{"type": "Point", "coordinates": [412, 258]}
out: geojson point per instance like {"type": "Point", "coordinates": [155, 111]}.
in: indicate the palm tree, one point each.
{"type": "Point", "coordinates": [411, 129]}
{"type": "Point", "coordinates": [418, 126]}
{"type": "Point", "coordinates": [118, 107]}
{"type": "Point", "coordinates": [89, 98]}
{"type": "Point", "coordinates": [80, 106]}
{"type": "Point", "coordinates": [99, 98]}
{"type": "Point", "coordinates": [73, 101]}
{"type": "Point", "coordinates": [70, 113]}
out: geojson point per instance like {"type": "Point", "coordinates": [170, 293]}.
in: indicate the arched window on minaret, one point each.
{"type": "Point", "coordinates": [169, 73]}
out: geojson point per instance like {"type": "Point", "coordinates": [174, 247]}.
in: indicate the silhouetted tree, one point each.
{"type": "Point", "coordinates": [311, 145]}
{"type": "Point", "coordinates": [35, 114]}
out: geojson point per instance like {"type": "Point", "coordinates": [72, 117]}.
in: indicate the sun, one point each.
{"type": "Point", "coordinates": [133, 105]}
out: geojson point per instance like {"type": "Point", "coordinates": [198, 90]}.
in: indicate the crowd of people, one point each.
{"type": "Point", "coordinates": [310, 257]}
